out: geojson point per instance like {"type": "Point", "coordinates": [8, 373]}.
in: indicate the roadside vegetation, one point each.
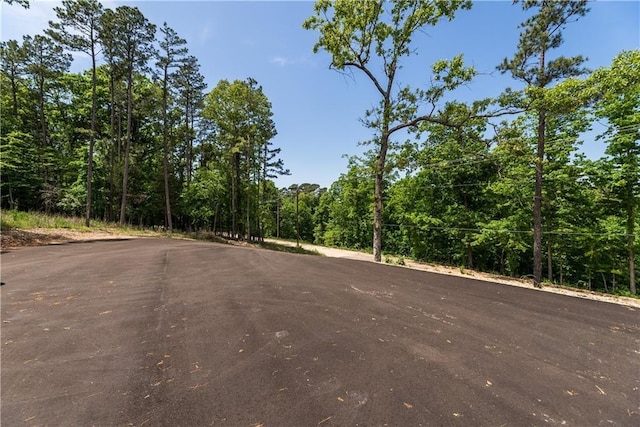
{"type": "Point", "coordinates": [19, 229]}
{"type": "Point", "coordinates": [14, 219]}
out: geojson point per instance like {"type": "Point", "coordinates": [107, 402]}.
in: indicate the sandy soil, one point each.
{"type": "Point", "coordinates": [17, 238]}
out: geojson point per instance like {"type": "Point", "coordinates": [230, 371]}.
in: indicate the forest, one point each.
{"type": "Point", "coordinates": [497, 185]}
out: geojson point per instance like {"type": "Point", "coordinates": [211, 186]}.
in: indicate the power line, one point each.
{"type": "Point", "coordinates": [483, 157]}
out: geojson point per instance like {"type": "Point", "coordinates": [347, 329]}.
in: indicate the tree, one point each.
{"type": "Point", "coordinates": [204, 197]}
{"type": "Point", "coordinates": [23, 3]}
{"type": "Point", "coordinates": [618, 92]}
{"type": "Point", "coordinates": [171, 55]}
{"type": "Point", "coordinates": [114, 71]}
{"type": "Point", "coordinates": [190, 85]}
{"type": "Point", "coordinates": [366, 35]}
{"type": "Point", "coordinates": [130, 35]}
{"type": "Point", "coordinates": [78, 30]}
{"type": "Point", "coordinates": [240, 116]}
{"type": "Point", "coordinates": [19, 171]}
{"type": "Point", "coordinates": [45, 63]}
{"type": "Point", "coordinates": [437, 207]}
{"type": "Point", "coordinates": [12, 64]}
{"type": "Point", "coordinates": [271, 167]}
{"type": "Point", "coordinates": [344, 211]}
{"type": "Point", "coordinates": [541, 33]}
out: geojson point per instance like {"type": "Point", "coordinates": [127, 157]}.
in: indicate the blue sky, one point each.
{"type": "Point", "coordinates": [316, 110]}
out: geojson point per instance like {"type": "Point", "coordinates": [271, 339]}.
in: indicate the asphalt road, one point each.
{"type": "Point", "coordinates": [166, 332]}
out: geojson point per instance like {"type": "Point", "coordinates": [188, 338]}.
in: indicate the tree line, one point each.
{"type": "Point", "coordinates": [136, 138]}
{"type": "Point", "coordinates": [510, 202]}
{"type": "Point", "coordinates": [495, 184]}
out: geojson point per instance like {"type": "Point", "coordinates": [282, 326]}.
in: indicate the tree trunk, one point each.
{"type": "Point", "coordinates": [215, 220]}
{"type": "Point", "coordinates": [14, 93]}
{"type": "Point", "coordinates": [261, 199]}
{"type": "Point", "coordinates": [234, 195]}
{"type": "Point", "coordinates": [537, 204]}
{"type": "Point", "coordinates": [249, 188]}
{"type": "Point", "coordinates": [537, 197]}
{"type": "Point", "coordinates": [125, 174]}
{"type": "Point", "coordinates": [43, 124]}
{"type": "Point", "coordinates": [613, 283]}
{"type": "Point", "coordinates": [378, 192]}
{"type": "Point", "coordinates": [188, 141]}
{"type": "Point", "coordinates": [630, 246]}
{"type": "Point", "coordinates": [119, 134]}
{"type": "Point", "coordinates": [112, 149]}
{"type": "Point", "coordinates": [94, 84]}
{"type": "Point", "coordinates": [549, 261]}
{"type": "Point", "coordinates": [604, 282]}
{"type": "Point", "coordinates": [111, 185]}
{"type": "Point", "coordinates": [278, 217]}
{"type": "Point", "coordinates": [297, 218]}
{"type": "Point", "coordinates": [165, 154]}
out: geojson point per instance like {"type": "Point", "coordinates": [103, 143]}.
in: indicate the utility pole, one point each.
{"type": "Point", "coordinates": [297, 219]}
{"type": "Point", "coordinates": [296, 188]}
{"type": "Point", "coordinates": [249, 187]}
{"type": "Point", "coordinates": [278, 217]}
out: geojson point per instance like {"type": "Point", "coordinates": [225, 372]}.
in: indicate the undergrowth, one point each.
{"type": "Point", "coordinates": [13, 219]}
{"type": "Point", "coordinates": [27, 220]}
{"type": "Point", "coordinates": [289, 249]}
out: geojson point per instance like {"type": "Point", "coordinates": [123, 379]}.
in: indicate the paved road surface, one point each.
{"type": "Point", "coordinates": [165, 332]}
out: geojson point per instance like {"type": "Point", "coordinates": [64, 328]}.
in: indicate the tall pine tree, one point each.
{"type": "Point", "coordinates": [78, 31]}
{"type": "Point", "coordinates": [541, 33]}
{"type": "Point", "coordinates": [171, 54]}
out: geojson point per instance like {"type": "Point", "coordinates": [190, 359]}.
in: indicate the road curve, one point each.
{"type": "Point", "coordinates": [168, 332]}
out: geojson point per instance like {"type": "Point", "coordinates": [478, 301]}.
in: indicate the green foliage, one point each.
{"type": "Point", "coordinates": [72, 199]}
{"type": "Point", "coordinates": [352, 32]}
{"type": "Point", "coordinates": [21, 176]}
{"type": "Point", "coordinates": [23, 3]}
{"type": "Point", "coordinates": [531, 64]}
{"type": "Point", "coordinates": [27, 220]}
{"type": "Point", "coordinates": [239, 117]}
{"type": "Point", "coordinates": [618, 92]}
{"type": "Point", "coordinates": [346, 210]}
{"type": "Point", "coordinates": [373, 38]}
{"type": "Point", "coordinates": [542, 32]}
{"type": "Point", "coordinates": [204, 197]}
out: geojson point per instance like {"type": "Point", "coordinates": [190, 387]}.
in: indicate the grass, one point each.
{"type": "Point", "coordinates": [27, 220]}
{"type": "Point", "coordinates": [288, 249]}
{"type": "Point", "coordinates": [12, 219]}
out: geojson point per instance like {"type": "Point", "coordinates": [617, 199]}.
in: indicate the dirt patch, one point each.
{"type": "Point", "coordinates": [17, 238]}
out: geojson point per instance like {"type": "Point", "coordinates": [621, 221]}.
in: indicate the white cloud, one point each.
{"type": "Point", "coordinates": [283, 61]}
{"type": "Point", "coordinates": [205, 33]}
